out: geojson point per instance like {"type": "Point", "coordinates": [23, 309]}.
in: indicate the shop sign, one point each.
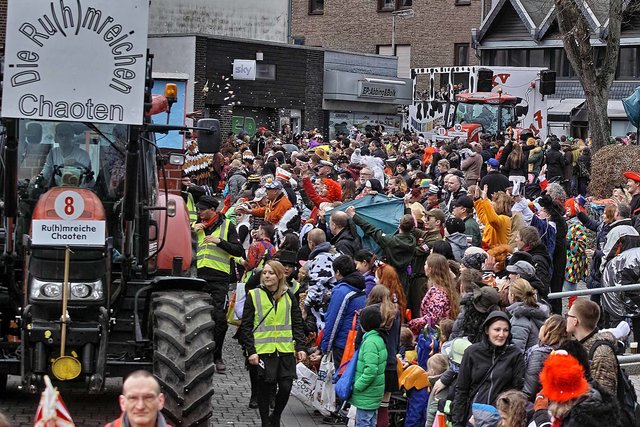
{"type": "Point", "coordinates": [375, 90]}
{"type": "Point", "coordinates": [244, 69]}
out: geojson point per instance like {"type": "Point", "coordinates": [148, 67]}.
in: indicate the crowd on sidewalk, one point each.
{"type": "Point", "coordinates": [457, 285]}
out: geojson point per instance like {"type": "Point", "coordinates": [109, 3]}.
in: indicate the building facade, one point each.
{"type": "Point", "coordinates": [436, 33]}
{"type": "Point", "coordinates": [524, 33]}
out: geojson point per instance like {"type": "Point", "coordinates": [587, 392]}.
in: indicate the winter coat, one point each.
{"type": "Point", "coordinates": [397, 248]}
{"type": "Point", "coordinates": [274, 211]}
{"type": "Point", "coordinates": [603, 364]}
{"type": "Point", "coordinates": [235, 181]}
{"type": "Point", "coordinates": [535, 161]}
{"type": "Point", "coordinates": [594, 280]}
{"type": "Point", "coordinates": [505, 368]}
{"type": "Point", "coordinates": [472, 228]}
{"type": "Point", "coordinates": [452, 197]}
{"type": "Point", "coordinates": [471, 166]}
{"type": "Point", "coordinates": [595, 409]}
{"type": "Point", "coordinates": [519, 170]}
{"type": "Point", "coordinates": [320, 273]}
{"type": "Point", "coordinates": [496, 227]}
{"type": "Point", "coordinates": [459, 244]}
{"type": "Point", "coordinates": [568, 169]}
{"type": "Point", "coordinates": [368, 385]}
{"type": "Point", "coordinates": [533, 364]}
{"type": "Point", "coordinates": [369, 282]}
{"type": "Point", "coordinates": [435, 307]}
{"type": "Point", "coordinates": [432, 404]}
{"type": "Point", "coordinates": [556, 163]}
{"type": "Point", "coordinates": [495, 181]}
{"type": "Point", "coordinates": [618, 229]}
{"type": "Point", "coordinates": [354, 282]}
{"type": "Point", "coordinates": [525, 324]}
{"type": "Point", "coordinates": [346, 242]}
{"type": "Point", "coordinates": [542, 264]}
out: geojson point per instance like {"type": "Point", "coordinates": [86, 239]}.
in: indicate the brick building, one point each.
{"type": "Point", "coordinates": [438, 33]}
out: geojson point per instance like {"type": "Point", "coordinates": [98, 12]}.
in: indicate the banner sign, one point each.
{"type": "Point", "coordinates": [80, 60]}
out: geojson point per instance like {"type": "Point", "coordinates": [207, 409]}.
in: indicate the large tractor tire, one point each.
{"type": "Point", "coordinates": [183, 354]}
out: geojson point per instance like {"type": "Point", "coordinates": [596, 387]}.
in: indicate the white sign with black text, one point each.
{"type": "Point", "coordinates": [244, 69]}
{"type": "Point", "coordinates": [80, 60]}
{"type": "Point", "coordinates": [68, 233]}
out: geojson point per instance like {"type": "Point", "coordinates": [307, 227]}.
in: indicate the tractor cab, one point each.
{"type": "Point", "coordinates": [492, 111]}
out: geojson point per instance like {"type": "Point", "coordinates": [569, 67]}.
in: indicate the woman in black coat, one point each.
{"type": "Point", "coordinates": [488, 368]}
{"type": "Point", "coordinates": [555, 161]}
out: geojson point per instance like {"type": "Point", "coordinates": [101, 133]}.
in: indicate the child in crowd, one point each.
{"type": "Point", "coordinates": [407, 350]}
{"type": "Point", "coordinates": [368, 386]}
{"type": "Point", "coordinates": [512, 407]}
{"type": "Point", "coordinates": [437, 365]}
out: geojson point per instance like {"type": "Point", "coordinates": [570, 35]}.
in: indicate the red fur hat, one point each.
{"type": "Point", "coordinates": [334, 191]}
{"type": "Point", "coordinates": [562, 378]}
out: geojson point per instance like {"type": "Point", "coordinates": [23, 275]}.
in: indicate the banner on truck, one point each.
{"type": "Point", "coordinates": [81, 60]}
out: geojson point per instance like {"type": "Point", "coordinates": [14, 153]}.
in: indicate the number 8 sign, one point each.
{"type": "Point", "coordinates": [69, 205]}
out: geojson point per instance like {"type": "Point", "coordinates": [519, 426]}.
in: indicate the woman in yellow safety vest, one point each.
{"type": "Point", "coordinates": [272, 336]}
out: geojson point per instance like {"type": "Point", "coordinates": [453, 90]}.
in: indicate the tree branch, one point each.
{"type": "Point", "coordinates": [608, 70]}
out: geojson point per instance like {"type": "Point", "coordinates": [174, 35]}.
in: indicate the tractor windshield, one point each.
{"type": "Point", "coordinates": [71, 154]}
{"type": "Point", "coordinates": [484, 114]}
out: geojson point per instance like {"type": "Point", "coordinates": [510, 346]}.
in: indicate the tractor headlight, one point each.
{"type": "Point", "coordinates": [89, 291]}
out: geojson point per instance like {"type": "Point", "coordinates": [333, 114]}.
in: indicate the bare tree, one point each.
{"type": "Point", "coordinates": [596, 81]}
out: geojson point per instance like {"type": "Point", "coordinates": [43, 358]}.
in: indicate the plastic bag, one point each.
{"type": "Point", "coordinates": [303, 386]}
{"type": "Point", "coordinates": [231, 317]}
{"type": "Point", "coordinates": [344, 385]}
{"type": "Point", "coordinates": [241, 296]}
{"type": "Point", "coordinates": [324, 396]}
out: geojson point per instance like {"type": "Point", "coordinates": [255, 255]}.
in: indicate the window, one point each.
{"type": "Point", "coordinates": [386, 5]}
{"type": "Point", "coordinates": [403, 52]}
{"type": "Point", "coordinates": [536, 58]}
{"type": "Point", "coordinates": [461, 54]}
{"type": "Point", "coordinates": [463, 2]}
{"type": "Point", "coordinates": [265, 71]}
{"type": "Point", "coordinates": [316, 7]}
{"type": "Point", "coordinates": [404, 4]}
{"type": "Point", "coordinates": [627, 63]}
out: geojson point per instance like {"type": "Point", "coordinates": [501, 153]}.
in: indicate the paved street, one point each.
{"type": "Point", "coordinates": [230, 401]}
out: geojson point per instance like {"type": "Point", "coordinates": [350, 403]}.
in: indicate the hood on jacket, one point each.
{"type": "Point", "coordinates": [355, 280]}
{"type": "Point", "coordinates": [459, 240]}
{"type": "Point", "coordinates": [536, 314]}
{"type": "Point", "coordinates": [322, 247]}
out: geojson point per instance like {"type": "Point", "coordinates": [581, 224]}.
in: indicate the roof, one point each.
{"type": "Point", "coordinates": [572, 89]}
{"type": "Point", "coordinates": [486, 97]}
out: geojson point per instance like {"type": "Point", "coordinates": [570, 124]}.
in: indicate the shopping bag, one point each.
{"type": "Point", "coordinates": [344, 385]}
{"type": "Point", "coordinates": [241, 296]}
{"type": "Point", "coordinates": [324, 397]}
{"type": "Point", "coordinates": [231, 316]}
{"type": "Point", "coordinates": [303, 386]}
{"type": "Point", "coordinates": [350, 346]}
{"type": "Point", "coordinates": [351, 415]}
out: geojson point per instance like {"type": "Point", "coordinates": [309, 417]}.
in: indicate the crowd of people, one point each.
{"type": "Point", "coordinates": [490, 229]}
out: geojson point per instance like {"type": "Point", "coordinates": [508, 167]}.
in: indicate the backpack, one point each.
{"type": "Point", "coordinates": [626, 393]}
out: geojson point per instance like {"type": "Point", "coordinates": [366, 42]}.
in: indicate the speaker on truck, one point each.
{"type": "Point", "coordinates": [485, 80]}
{"type": "Point", "coordinates": [547, 82]}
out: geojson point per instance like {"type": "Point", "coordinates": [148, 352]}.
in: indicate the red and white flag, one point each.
{"type": "Point", "coordinates": [52, 411]}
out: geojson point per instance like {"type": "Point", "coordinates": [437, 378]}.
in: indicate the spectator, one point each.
{"type": "Point", "coordinates": [555, 162]}
{"type": "Point", "coordinates": [455, 236]}
{"type": "Point", "coordinates": [472, 165]}
{"type": "Point", "coordinates": [476, 304]}
{"type": "Point", "coordinates": [365, 264]}
{"type": "Point", "coordinates": [345, 238]}
{"type": "Point", "coordinates": [488, 368]}
{"type": "Point", "coordinates": [320, 273]}
{"type": "Point", "coordinates": [516, 169]}
{"type": "Point", "coordinates": [454, 190]}
{"type": "Point", "coordinates": [494, 180]}
{"type": "Point", "coordinates": [463, 209]}
{"type": "Point", "coordinates": [622, 226]}
{"type": "Point", "coordinates": [527, 315]}
{"type": "Point", "coordinates": [528, 240]}
{"type": "Point", "coordinates": [495, 216]}
{"type": "Point", "coordinates": [582, 323]}
{"type": "Point", "coordinates": [140, 401]}
{"type": "Point", "coordinates": [577, 263]}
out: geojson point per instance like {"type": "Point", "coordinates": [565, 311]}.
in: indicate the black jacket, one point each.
{"type": "Point", "coordinates": [346, 242]}
{"type": "Point", "coordinates": [495, 181]}
{"type": "Point", "coordinates": [485, 372]}
{"type": "Point", "coordinates": [556, 163]}
{"type": "Point", "coordinates": [595, 409]}
{"type": "Point", "coordinates": [542, 263]}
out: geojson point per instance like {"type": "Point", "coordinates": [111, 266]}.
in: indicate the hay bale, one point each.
{"type": "Point", "coordinates": [607, 167]}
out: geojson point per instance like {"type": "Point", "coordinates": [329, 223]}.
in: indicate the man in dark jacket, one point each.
{"type": "Point", "coordinates": [488, 368]}
{"type": "Point", "coordinates": [345, 240]}
{"type": "Point", "coordinates": [398, 248]}
{"type": "Point", "coordinates": [494, 180]}
{"type": "Point", "coordinates": [555, 161]}
{"type": "Point", "coordinates": [528, 240]}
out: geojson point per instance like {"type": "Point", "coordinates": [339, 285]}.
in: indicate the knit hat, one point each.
{"type": "Point", "coordinates": [474, 261]}
{"type": "Point", "coordinates": [370, 318]}
{"type": "Point", "coordinates": [433, 189]}
{"type": "Point", "coordinates": [563, 378]}
{"type": "Point", "coordinates": [207, 202]}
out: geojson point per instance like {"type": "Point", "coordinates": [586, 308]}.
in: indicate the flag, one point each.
{"type": "Point", "coordinates": [52, 411]}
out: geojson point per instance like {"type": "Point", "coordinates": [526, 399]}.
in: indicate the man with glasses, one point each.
{"type": "Point", "coordinates": [141, 402]}
{"type": "Point", "coordinates": [582, 323]}
{"type": "Point", "coordinates": [67, 153]}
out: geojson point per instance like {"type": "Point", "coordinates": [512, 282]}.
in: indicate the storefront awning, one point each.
{"type": "Point", "coordinates": [563, 111]}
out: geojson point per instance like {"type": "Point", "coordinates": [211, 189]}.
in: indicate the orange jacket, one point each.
{"type": "Point", "coordinates": [496, 227]}
{"type": "Point", "coordinates": [274, 211]}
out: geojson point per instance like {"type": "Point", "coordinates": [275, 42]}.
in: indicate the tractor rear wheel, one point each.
{"type": "Point", "coordinates": [183, 354]}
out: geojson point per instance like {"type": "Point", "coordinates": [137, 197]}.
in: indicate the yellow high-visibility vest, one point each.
{"type": "Point", "coordinates": [210, 255]}
{"type": "Point", "coordinates": [191, 208]}
{"type": "Point", "coordinates": [274, 333]}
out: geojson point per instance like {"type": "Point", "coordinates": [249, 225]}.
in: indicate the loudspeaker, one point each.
{"type": "Point", "coordinates": [485, 80]}
{"type": "Point", "coordinates": [547, 82]}
{"type": "Point", "coordinates": [209, 141]}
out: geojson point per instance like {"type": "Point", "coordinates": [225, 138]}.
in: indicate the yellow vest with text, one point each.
{"type": "Point", "coordinates": [191, 208]}
{"type": "Point", "coordinates": [274, 334]}
{"type": "Point", "coordinates": [210, 255]}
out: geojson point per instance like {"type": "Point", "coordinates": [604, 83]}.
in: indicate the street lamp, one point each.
{"type": "Point", "coordinates": [404, 13]}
